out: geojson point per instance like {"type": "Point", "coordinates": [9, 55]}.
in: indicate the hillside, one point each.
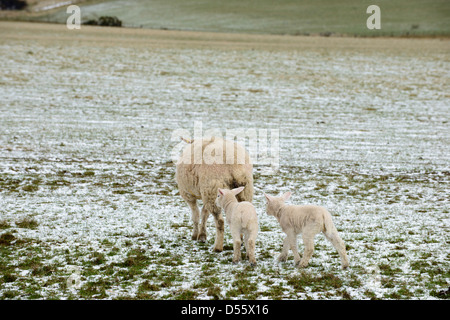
{"type": "Point", "coordinates": [326, 17]}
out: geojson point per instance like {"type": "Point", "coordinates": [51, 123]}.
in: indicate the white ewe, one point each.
{"type": "Point", "coordinates": [242, 219]}
{"type": "Point", "coordinates": [205, 166]}
{"type": "Point", "coordinates": [308, 220]}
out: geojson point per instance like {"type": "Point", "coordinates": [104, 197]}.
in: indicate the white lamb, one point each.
{"type": "Point", "coordinates": [308, 220]}
{"type": "Point", "coordinates": [242, 219]}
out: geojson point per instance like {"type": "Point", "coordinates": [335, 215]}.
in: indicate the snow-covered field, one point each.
{"type": "Point", "coordinates": [88, 203]}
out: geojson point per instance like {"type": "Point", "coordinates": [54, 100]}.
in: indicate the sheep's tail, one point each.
{"type": "Point", "coordinates": [328, 226]}
{"type": "Point", "coordinates": [247, 193]}
{"type": "Point", "coordinates": [205, 141]}
{"type": "Point", "coordinates": [186, 140]}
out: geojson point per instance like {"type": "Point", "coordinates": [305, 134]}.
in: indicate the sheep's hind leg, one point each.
{"type": "Point", "coordinates": [220, 227]}
{"type": "Point", "coordinates": [195, 216]}
{"type": "Point", "coordinates": [250, 249]}
{"type": "Point", "coordinates": [236, 245]}
{"type": "Point", "coordinates": [202, 234]}
{"type": "Point", "coordinates": [339, 245]}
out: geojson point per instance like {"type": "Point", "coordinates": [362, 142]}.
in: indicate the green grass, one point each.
{"type": "Point", "coordinates": [325, 17]}
{"type": "Point", "coordinates": [161, 277]}
{"type": "Point", "coordinates": [4, 224]}
{"type": "Point", "coordinates": [28, 223]}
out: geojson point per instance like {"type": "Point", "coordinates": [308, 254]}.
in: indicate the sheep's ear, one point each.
{"type": "Point", "coordinates": [221, 191]}
{"type": "Point", "coordinates": [269, 198]}
{"type": "Point", "coordinates": [286, 196]}
{"type": "Point", "coordinates": [238, 190]}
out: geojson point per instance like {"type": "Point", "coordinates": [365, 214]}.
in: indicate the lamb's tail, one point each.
{"type": "Point", "coordinates": [328, 225]}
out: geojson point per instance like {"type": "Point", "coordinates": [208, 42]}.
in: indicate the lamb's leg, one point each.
{"type": "Point", "coordinates": [250, 249]}
{"type": "Point", "coordinates": [339, 245]}
{"type": "Point", "coordinates": [202, 234]}
{"type": "Point", "coordinates": [285, 251]}
{"type": "Point", "coordinates": [220, 227]}
{"type": "Point", "coordinates": [195, 217]}
{"type": "Point", "coordinates": [236, 245]}
{"type": "Point", "coordinates": [308, 242]}
{"type": "Point", "coordinates": [294, 248]}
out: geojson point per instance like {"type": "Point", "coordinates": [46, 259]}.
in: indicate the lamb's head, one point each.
{"type": "Point", "coordinates": [226, 195]}
{"type": "Point", "coordinates": [274, 204]}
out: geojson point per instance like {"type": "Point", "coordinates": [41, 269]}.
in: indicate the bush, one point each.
{"type": "Point", "coordinates": [105, 21]}
{"type": "Point", "coordinates": [12, 4]}
{"type": "Point", "coordinates": [91, 22]}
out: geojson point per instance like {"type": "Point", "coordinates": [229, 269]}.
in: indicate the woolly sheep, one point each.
{"type": "Point", "coordinates": [242, 219]}
{"type": "Point", "coordinates": [308, 220]}
{"type": "Point", "coordinates": [204, 166]}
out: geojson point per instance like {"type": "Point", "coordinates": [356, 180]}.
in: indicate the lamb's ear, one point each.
{"type": "Point", "coordinates": [237, 190]}
{"type": "Point", "coordinates": [269, 198]}
{"type": "Point", "coordinates": [221, 191]}
{"type": "Point", "coordinates": [286, 196]}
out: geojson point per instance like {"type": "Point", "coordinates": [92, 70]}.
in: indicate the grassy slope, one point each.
{"type": "Point", "coordinates": [402, 17]}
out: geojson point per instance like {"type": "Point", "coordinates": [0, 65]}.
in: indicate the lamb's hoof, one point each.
{"type": "Point", "coordinates": [282, 259]}
{"type": "Point", "coordinates": [218, 249]}
{"type": "Point", "coordinates": [202, 238]}
{"type": "Point", "coordinates": [252, 264]}
{"type": "Point", "coordinates": [301, 264]}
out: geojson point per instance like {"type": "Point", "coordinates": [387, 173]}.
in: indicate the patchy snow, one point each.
{"type": "Point", "coordinates": [85, 151]}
